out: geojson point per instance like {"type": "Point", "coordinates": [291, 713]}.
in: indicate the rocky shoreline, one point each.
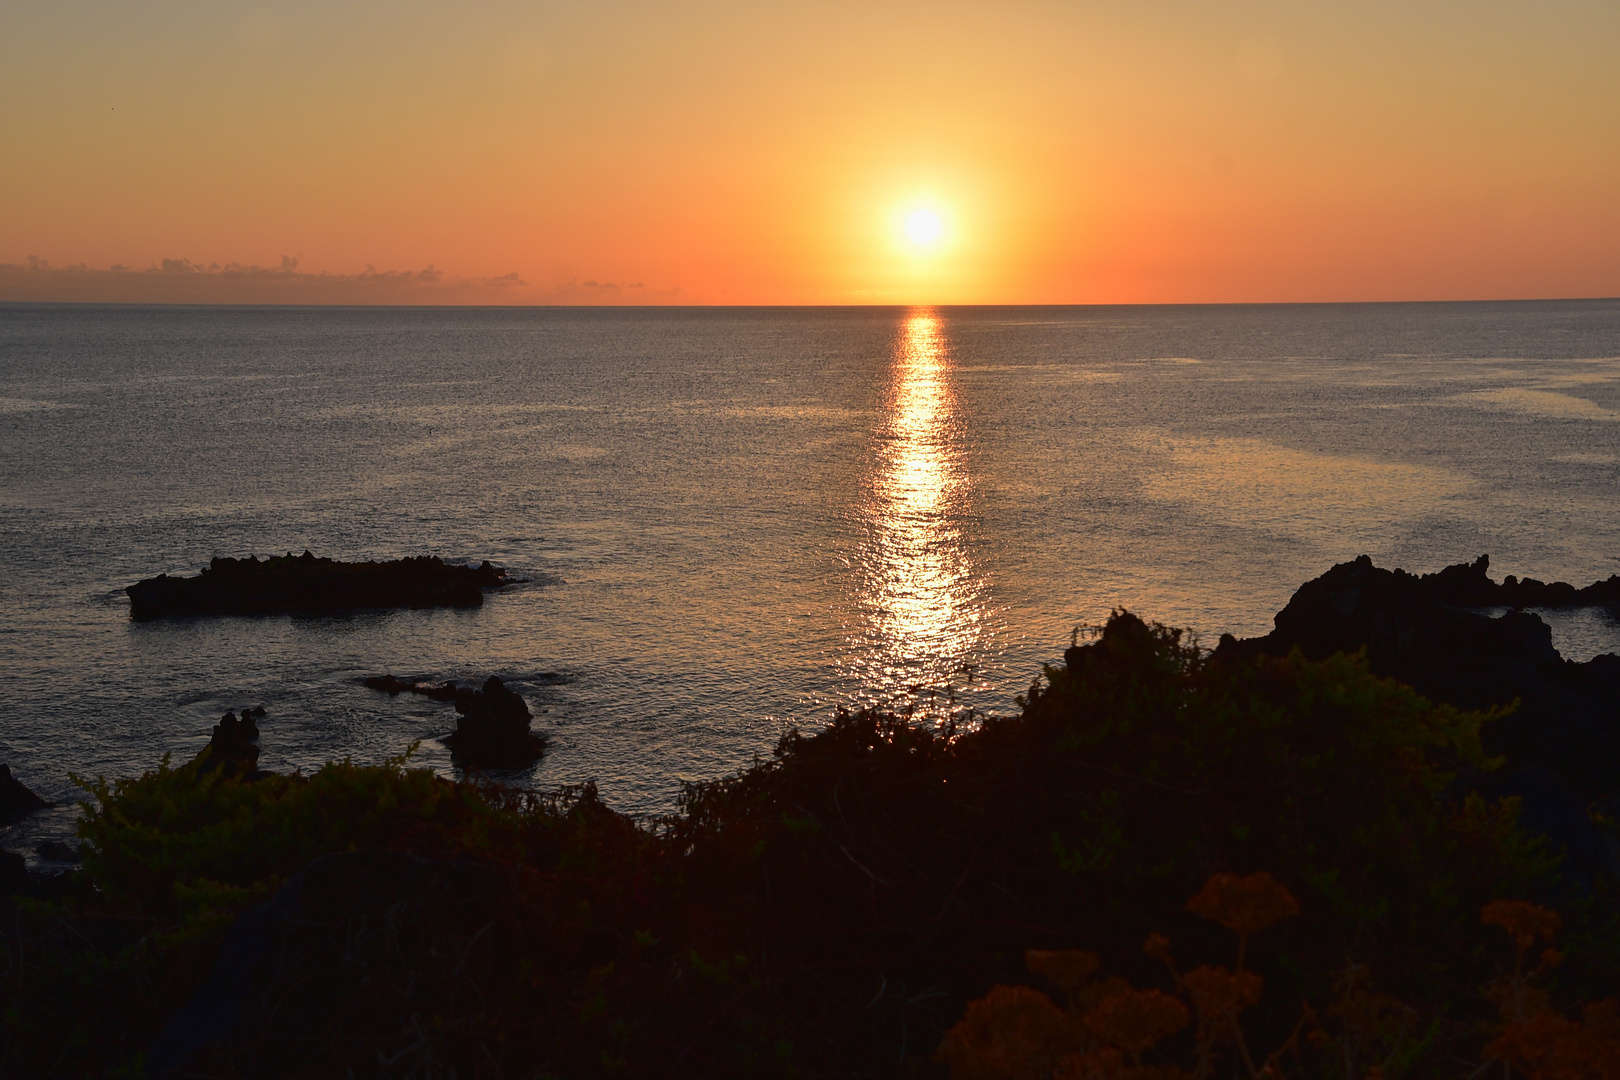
{"type": "Point", "coordinates": [1559, 737]}
{"type": "Point", "coordinates": [1561, 740]}
{"type": "Point", "coordinates": [223, 912]}
{"type": "Point", "coordinates": [305, 584]}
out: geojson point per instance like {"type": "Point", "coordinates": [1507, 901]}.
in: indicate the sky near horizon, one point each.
{"type": "Point", "coordinates": [826, 153]}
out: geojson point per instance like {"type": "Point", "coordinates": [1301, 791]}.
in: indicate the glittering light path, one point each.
{"type": "Point", "coordinates": [921, 596]}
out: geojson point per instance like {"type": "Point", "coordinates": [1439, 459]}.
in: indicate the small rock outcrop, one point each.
{"type": "Point", "coordinates": [16, 801]}
{"type": "Point", "coordinates": [1467, 585]}
{"type": "Point", "coordinates": [492, 731]}
{"type": "Point", "coordinates": [233, 749]}
{"type": "Point", "coordinates": [304, 584]}
{"type": "Point", "coordinates": [438, 691]}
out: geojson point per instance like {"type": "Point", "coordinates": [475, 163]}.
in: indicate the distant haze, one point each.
{"type": "Point", "coordinates": [701, 153]}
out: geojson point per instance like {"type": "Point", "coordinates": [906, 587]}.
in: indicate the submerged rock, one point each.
{"type": "Point", "coordinates": [438, 691]}
{"type": "Point", "coordinates": [308, 585]}
{"type": "Point", "coordinates": [16, 801]}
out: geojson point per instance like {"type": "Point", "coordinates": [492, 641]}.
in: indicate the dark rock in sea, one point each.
{"type": "Point", "coordinates": [16, 880]}
{"type": "Point", "coordinates": [308, 585]}
{"type": "Point", "coordinates": [233, 747]}
{"type": "Point", "coordinates": [438, 691]}
{"type": "Point", "coordinates": [1562, 743]}
{"type": "Point", "coordinates": [1466, 585]}
{"type": "Point", "coordinates": [16, 801]}
{"type": "Point", "coordinates": [493, 729]}
{"type": "Point", "coordinates": [57, 851]}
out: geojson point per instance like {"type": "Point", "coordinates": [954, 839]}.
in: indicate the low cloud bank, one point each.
{"type": "Point", "coordinates": [181, 281]}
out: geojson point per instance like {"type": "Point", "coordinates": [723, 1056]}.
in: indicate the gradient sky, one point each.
{"type": "Point", "coordinates": [768, 153]}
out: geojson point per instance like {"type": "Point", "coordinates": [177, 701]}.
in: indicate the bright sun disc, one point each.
{"type": "Point", "coordinates": [924, 228]}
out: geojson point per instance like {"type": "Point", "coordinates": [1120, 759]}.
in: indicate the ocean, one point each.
{"type": "Point", "coordinates": [734, 521]}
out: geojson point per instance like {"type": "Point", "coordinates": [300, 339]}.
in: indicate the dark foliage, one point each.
{"type": "Point", "coordinates": [829, 911]}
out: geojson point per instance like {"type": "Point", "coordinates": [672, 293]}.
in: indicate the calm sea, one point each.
{"type": "Point", "coordinates": [735, 520]}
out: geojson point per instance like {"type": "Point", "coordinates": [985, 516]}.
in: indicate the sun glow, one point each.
{"type": "Point", "coordinates": [924, 228]}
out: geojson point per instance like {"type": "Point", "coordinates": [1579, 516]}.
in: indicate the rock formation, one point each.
{"type": "Point", "coordinates": [233, 748]}
{"type": "Point", "coordinates": [308, 585]}
{"type": "Point", "coordinates": [492, 731]}
{"type": "Point", "coordinates": [16, 801]}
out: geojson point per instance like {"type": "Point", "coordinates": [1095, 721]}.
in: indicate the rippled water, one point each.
{"type": "Point", "coordinates": [734, 520]}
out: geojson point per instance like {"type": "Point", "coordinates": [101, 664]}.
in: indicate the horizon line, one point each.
{"type": "Point", "coordinates": [799, 306]}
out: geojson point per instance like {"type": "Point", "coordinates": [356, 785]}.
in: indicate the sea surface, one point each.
{"type": "Point", "coordinates": [732, 521]}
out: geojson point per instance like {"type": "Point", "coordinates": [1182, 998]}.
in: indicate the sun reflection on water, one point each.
{"type": "Point", "coordinates": [922, 599]}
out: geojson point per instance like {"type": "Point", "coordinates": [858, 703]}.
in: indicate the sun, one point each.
{"type": "Point", "coordinates": [924, 228]}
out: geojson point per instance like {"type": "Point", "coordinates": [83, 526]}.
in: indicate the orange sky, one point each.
{"type": "Point", "coordinates": [767, 153]}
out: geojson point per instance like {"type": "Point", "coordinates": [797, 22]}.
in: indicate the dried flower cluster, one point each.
{"type": "Point", "coordinates": [1109, 1025]}
{"type": "Point", "coordinates": [1524, 920]}
{"type": "Point", "coordinates": [1542, 1044]}
{"type": "Point", "coordinates": [1244, 905]}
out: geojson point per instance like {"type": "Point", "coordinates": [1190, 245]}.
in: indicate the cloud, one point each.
{"type": "Point", "coordinates": [181, 281]}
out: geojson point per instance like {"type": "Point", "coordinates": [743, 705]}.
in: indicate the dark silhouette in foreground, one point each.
{"type": "Point", "coordinates": [304, 584]}
{"type": "Point", "coordinates": [831, 910]}
{"type": "Point", "coordinates": [1562, 741]}
{"type": "Point", "coordinates": [16, 803]}
{"type": "Point", "coordinates": [492, 730]}
{"type": "Point", "coordinates": [838, 908]}
{"type": "Point", "coordinates": [325, 900]}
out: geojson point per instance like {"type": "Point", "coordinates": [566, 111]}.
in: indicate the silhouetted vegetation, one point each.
{"type": "Point", "coordinates": [835, 908]}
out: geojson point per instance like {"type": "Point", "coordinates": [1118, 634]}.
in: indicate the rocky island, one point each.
{"type": "Point", "coordinates": [304, 584]}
